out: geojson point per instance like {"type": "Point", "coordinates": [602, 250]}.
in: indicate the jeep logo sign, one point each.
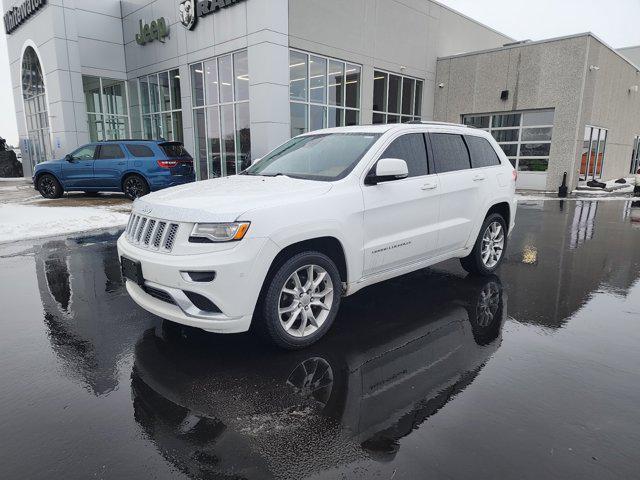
{"type": "Point", "coordinates": [16, 16]}
{"type": "Point", "coordinates": [190, 10]}
{"type": "Point", "coordinates": [157, 30]}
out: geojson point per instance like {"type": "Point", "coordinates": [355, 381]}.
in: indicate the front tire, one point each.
{"type": "Point", "coordinates": [49, 187]}
{"type": "Point", "coordinates": [301, 301]}
{"type": "Point", "coordinates": [488, 252]}
{"type": "Point", "coordinates": [134, 186]}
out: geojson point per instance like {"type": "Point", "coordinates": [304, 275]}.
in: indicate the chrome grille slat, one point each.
{"type": "Point", "coordinates": [134, 225]}
{"type": "Point", "coordinates": [126, 230]}
{"type": "Point", "coordinates": [151, 233]}
{"type": "Point", "coordinates": [159, 234]}
{"type": "Point", "coordinates": [143, 223]}
{"type": "Point", "coordinates": [171, 236]}
{"type": "Point", "coordinates": [151, 228]}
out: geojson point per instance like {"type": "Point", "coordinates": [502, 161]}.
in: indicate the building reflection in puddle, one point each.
{"type": "Point", "coordinates": [217, 406]}
{"type": "Point", "coordinates": [86, 310]}
{"type": "Point", "coordinates": [559, 255]}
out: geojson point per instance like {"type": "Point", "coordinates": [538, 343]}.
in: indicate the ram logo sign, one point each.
{"type": "Point", "coordinates": [19, 14]}
{"type": "Point", "coordinates": [190, 10]}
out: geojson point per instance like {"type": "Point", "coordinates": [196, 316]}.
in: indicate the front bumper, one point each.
{"type": "Point", "coordinates": [240, 273]}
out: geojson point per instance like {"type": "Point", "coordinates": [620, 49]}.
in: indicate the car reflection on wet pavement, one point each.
{"type": "Point", "coordinates": [533, 373]}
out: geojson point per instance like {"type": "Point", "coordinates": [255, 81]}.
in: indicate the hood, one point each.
{"type": "Point", "coordinates": [226, 199]}
{"type": "Point", "coordinates": [51, 163]}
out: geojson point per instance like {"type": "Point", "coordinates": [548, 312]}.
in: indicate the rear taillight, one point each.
{"type": "Point", "coordinates": [167, 163]}
{"type": "Point", "coordinates": [515, 175]}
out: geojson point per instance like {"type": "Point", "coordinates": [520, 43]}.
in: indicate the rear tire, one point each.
{"type": "Point", "coordinates": [301, 301]}
{"type": "Point", "coordinates": [49, 187]}
{"type": "Point", "coordinates": [490, 247]}
{"type": "Point", "coordinates": [134, 186]}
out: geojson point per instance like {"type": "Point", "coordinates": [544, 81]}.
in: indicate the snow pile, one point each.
{"type": "Point", "coordinates": [23, 222]}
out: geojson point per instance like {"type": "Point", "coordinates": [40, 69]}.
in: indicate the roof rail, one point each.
{"type": "Point", "coordinates": [428, 122]}
{"type": "Point", "coordinates": [126, 140]}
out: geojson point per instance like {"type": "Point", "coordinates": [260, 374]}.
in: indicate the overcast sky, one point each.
{"type": "Point", "coordinates": [614, 21]}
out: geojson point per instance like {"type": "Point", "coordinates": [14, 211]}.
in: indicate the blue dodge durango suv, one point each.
{"type": "Point", "coordinates": [134, 167]}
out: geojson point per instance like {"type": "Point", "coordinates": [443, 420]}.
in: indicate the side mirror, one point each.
{"type": "Point", "coordinates": [68, 158]}
{"type": "Point", "coordinates": [387, 170]}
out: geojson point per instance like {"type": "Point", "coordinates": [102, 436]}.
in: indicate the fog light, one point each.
{"type": "Point", "coordinates": [199, 277]}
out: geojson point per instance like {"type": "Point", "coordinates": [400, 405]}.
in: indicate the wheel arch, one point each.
{"type": "Point", "coordinates": [503, 209]}
{"type": "Point", "coordinates": [39, 174]}
{"type": "Point", "coordinates": [129, 173]}
{"type": "Point", "coordinates": [329, 245]}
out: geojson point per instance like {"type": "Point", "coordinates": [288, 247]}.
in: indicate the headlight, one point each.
{"type": "Point", "coordinates": [218, 232]}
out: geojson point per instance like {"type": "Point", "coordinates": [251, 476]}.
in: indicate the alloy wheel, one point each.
{"type": "Point", "coordinates": [133, 187]}
{"type": "Point", "coordinates": [48, 186]}
{"type": "Point", "coordinates": [492, 245]}
{"type": "Point", "coordinates": [305, 301]}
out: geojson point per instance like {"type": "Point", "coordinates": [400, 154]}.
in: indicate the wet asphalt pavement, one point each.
{"type": "Point", "coordinates": [531, 374]}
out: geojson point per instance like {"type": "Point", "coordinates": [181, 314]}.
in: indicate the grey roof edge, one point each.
{"type": "Point", "coordinates": [546, 40]}
{"type": "Point", "coordinates": [453, 10]}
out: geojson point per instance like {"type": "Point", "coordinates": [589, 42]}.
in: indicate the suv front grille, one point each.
{"type": "Point", "coordinates": [150, 233]}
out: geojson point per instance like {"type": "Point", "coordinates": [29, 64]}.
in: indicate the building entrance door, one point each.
{"type": "Point", "coordinates": [593, 152]}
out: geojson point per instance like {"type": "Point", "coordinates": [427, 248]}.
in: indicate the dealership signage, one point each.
{"type": "Point", "coordinates": [156, 30]}
{"type": "Point", "coordinates": [19, 14]}
{"type": "Point", "coordinates": [190, 10]}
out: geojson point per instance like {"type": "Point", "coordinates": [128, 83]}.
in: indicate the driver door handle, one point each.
{"type": "Point", "coordinates": [479, 177]}
{"type": "Point", "coordinates": [429, 186]}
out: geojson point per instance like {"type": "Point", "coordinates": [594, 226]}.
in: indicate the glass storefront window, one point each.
{"type": "Point", "coordinates": [525, 137]}
{"type": "Point", "coordinates": [241, 76]}
{"type": "Point", "coordinates": [176, 94]}
{"type": "Point", "coordinates": [221, 114]}
{"type": "Point", "coordinates": [226, 79]}
{"type": "Point", "coordinates": [635, 156]}
{"type": "Point", "coordinates": [324, 92]}
{"type": "Point", "coordinates": [298, 64]}
{"type": "Point", "coordinates": [107, 108]}
{"type": "Point", "coordinates": [161, 104]}
{"type": "Point", "coordinates": [36, 112]}
{"type": "Point", "coordinates": [396, 98]}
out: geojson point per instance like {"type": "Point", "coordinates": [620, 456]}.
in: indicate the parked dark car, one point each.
{"type": "Point", "coordinates": [134, 167]}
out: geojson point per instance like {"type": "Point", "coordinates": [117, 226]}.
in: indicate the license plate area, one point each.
{"type": "Point", "coordinates": [132, 270]}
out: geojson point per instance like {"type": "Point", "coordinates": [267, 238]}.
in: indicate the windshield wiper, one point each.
{"type": "Point", "coordinates": [279, 174]}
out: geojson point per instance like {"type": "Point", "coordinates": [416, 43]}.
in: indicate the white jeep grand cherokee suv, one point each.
{"type": "Point", "coordinates": [321, 217]}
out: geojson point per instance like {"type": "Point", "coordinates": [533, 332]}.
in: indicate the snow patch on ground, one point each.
{"type": "Point", "coordinates": [25, 222]}
{"type": "Point", "coordinates": [582, 198]}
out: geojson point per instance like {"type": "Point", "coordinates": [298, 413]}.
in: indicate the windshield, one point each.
{"type": "Point", "coordinates": [325, 157]}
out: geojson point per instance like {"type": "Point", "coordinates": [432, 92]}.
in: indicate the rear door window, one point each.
{"type": "Point", "coordinates": [412, 149]}
{"type": "Point", "coordinates": [110, 152]}
{"type": "Point", "coordinates": [450, 153]}
{"type": "Point", "coordinates": [482, 153]}
{"type": "Point", "coordinates": [175, 150]}
{"type": "Point", "coordinates": [140, 151]}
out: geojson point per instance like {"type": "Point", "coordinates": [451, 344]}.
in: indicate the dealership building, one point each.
{"type": "Point", "coordinates": [233, 79]}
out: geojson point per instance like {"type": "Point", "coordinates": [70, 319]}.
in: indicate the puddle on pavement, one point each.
{"type": "Point", "coordinates": [532, 373]}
